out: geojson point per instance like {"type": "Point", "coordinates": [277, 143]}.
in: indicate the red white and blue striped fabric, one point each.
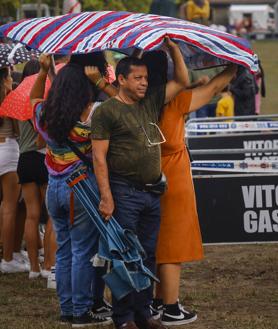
{"type": "Point", "coordinates": [122, 31]}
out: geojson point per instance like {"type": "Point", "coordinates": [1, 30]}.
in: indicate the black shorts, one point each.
{"type": "Point", "coordinates": [31, 168]}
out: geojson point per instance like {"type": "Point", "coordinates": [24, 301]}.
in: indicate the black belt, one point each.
{"type": "Point", "coordinates": [158, 187]}
{"type": "Point", "coordinates": [124, 181]}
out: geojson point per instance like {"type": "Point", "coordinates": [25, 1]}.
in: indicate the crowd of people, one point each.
{"type": "Point", "coordinates": [132, 131]}
{"type": "Point", "coordinates": [241, 97]}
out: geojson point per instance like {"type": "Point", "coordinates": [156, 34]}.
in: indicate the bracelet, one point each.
{"type": "Point", "coordinates": [98, 81]}
{"type": "Point", "coordinates": [105, 85]}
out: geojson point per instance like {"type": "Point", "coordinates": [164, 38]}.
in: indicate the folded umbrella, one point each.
{"type": "Point", "coordinates": [85, 32]}
{"type": "Point", "coordinates": [117, 245]}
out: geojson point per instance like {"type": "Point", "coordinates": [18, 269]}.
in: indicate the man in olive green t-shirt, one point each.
{"type": "Point", "coordinates": [126, 156]}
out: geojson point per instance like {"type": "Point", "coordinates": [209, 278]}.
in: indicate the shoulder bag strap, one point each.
{"type": "Point", "coordinates": [80, 155]}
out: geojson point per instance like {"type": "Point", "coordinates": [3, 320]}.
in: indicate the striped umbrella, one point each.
{"type": "Point", "coordinates": [123, 31]}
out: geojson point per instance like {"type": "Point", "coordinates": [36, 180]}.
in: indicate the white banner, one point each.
{"type": "Point", "coordinates": [231, 126]}
{"type": "Point", "coordinates": [236, 166]}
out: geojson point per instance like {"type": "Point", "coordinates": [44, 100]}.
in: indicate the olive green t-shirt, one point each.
{"type": "Point", "coordinates": [27, 137]}
{"type": "Point", "coordinates": [130, 131]}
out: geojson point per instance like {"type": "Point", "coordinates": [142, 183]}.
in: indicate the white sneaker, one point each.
{"type": "Point", "coordinates": [21, 259]}
{"type": "Point", "coordinates": [13, 266]}
{"type": "Point", "coordinates": [34, 275]}
{"type": "Point", "coordinates": [45, 273]}
{"type": "Point", "coordinates": [24, 254]}
{"type": "Point", "coordinates": [51, 281]}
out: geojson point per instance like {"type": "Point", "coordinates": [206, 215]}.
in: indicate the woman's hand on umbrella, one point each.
{"type": "Point", "coordinates": [92, 72]}
{"type": "Point", "coordinates": [170, 44]}
{"type": "Point", "coordinates": [45, 62]}
{"type": "Point", "coordinates": [106, 207]}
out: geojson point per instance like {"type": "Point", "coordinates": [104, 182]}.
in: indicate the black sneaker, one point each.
{"type": "Point", "coordinates": [65, 319]}
{"type": "Point", "coordinates": [156, 308]}
{"type": "Point", "coordinates": [89, 319]}
{"type": "Point", "coordinates": [102, 308]}
{"type": "Point", "coordinates": [175, 315]}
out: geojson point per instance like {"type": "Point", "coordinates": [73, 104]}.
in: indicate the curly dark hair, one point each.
{"type": "Point", "coordinates": [70, 93]}
{"type": "Point", "coordinates": [4, 72]}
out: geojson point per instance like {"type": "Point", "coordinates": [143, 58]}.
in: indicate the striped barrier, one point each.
{"type": "Point", "coordinates": [216, 127]}
{"type": "Point", "coordinates": [236, 166]}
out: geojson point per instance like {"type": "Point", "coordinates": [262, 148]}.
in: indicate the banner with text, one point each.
{"type": "Point", "coordinates": [241, 209]}
{"type": "Point", "coordinates": [252, 141]}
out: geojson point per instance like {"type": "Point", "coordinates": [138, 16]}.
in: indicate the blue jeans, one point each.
{"type": "Point", "coordinates": [140, 212]}
{"type": "Point", "coordinates": [77, 244]}
{"type": "Point", "coordinates": [206, 111]}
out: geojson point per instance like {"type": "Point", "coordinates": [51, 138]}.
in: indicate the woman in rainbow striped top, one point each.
{"type": "Point", "coordinates": [66, 115]}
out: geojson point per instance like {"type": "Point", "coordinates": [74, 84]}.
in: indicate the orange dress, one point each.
{"type": "Point", "coordinates": [179, 237]}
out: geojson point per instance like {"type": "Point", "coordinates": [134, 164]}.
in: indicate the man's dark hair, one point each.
{"type": "Point", "coordinates": [124, 65]}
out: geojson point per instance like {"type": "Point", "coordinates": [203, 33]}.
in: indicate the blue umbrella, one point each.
{"type": "Point", "coordinates": [118, 245]}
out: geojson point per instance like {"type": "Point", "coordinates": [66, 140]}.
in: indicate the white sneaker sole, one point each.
{"type": "Point", "coordinates": [179, 322]}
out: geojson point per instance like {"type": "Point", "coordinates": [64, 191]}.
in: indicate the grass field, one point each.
{"type": "Point", "coordinates": [235, 287]}
{"type": "Point", "coordinates": [268, 54]}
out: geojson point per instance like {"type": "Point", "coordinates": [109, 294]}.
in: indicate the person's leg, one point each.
{"type": "Point", "coordinates": [49, 242]}
{"type": "Point", "coordinates": [98, 285]}
{"type": "Point", "coordinates": [148, 228]}
{"type": "Point", "coordinates": [168, 291]}
{"type": "Point", "coordinates": [61, 224]}
{"type": "Point", "coordinates": [32, 198]}
{"type": "Point", "coordinates": [10, 190]}
{"type": "Point", "coordinates": [169, 277]}
{"type": "Point", "coordinates": [20, 224]}
{"type": "Point", "coordinates": [50, 246]}
{"type": "Point", "coordinates": [128, 205]}
{"type": "Point", "coordinates": [84, 240]}
{"type": "Point", "coordinates": [1, 221]}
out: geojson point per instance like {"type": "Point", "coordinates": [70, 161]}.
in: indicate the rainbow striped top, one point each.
{"type": "Point", "coordinates": [61, 160]}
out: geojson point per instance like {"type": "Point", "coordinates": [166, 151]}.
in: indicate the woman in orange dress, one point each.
{"type": "Point", "coordinates": [179, 238]}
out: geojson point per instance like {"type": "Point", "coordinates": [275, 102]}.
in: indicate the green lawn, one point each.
{"type": "Point", "coordinates": [234, 287]}
{"type": "Point", "coordinates": [268, 54]}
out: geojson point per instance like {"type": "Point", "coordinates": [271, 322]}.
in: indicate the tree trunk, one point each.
{"type": "Point", "coordinates": [39, 8]}
{"type": "Point", "coordinates": [20, 9]}
{"type": "Point", "coordinates": [57, 8]}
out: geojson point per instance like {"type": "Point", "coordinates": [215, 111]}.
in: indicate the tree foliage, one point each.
{"type": "Point", "coordinates": [8, 7]}
{"type": "Point", "coordinates": [128, 5]}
